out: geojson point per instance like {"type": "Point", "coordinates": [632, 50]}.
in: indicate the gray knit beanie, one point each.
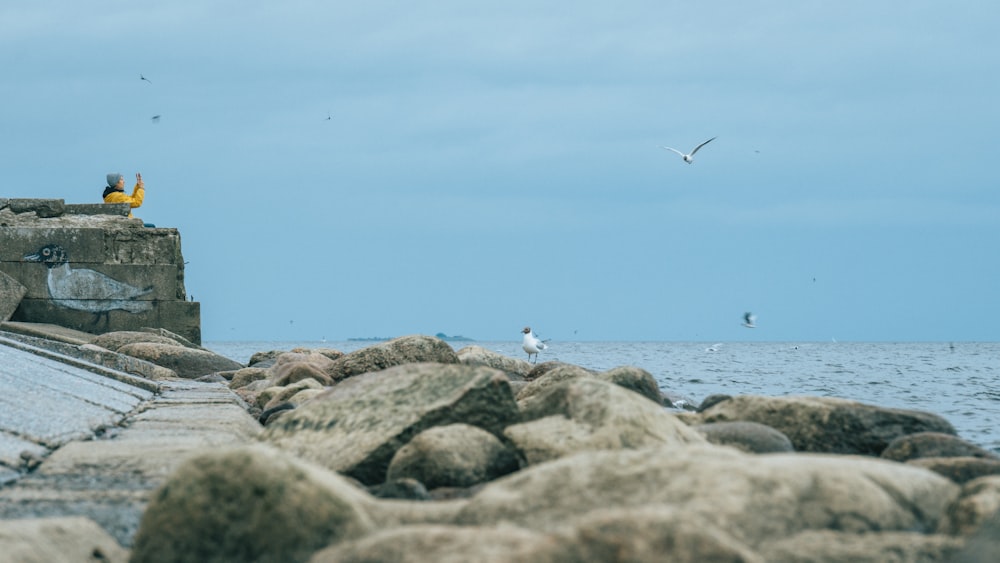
{"type": "Point", "coordinates": [113, 179]}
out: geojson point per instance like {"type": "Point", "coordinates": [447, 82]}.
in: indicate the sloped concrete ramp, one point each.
{"type": "Point", "coordinates": [77, 443]}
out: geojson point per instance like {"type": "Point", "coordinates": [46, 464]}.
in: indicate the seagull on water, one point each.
{"type": "Point", "coordinates": [749, 319]}
{"type": "Point", "coordinates": [688, 158]}
{"type": "Point", "coordinates": [531, 344]}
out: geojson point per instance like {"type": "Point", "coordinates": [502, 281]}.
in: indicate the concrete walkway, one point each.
{"type": "Point", "coordinates": [75, 441]}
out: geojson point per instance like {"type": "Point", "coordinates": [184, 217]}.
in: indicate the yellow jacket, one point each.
{"type": "Point", "coordinates": [135, 200]}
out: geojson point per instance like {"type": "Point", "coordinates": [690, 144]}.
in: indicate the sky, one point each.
{"type": "Point", "coordinates": [373, 169]}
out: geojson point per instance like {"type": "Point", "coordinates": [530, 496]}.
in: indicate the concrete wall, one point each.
{"type": "Point", "coordinates": [91, 268]}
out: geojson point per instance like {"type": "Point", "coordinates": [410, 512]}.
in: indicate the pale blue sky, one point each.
{"type": "Point", "coordinates": [491, 165]}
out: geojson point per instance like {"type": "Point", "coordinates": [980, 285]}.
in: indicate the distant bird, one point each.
{"type": "Point", "coordinates": [328, 117]}
{"type": "Point", "coordinates": [156, 119]}
{"type": "Point", "coordinates": [688, 158]}
{"type": "Point", "coordinates": [714, 347]}
{"type": "Point", "coordinates": [531, 344]}
{"type": "Point", "coordinates": [141, 77]}
{"type": "Point", "coordinates": [87, 290]}
{"type": "Point", "coordinates": [749, 320]}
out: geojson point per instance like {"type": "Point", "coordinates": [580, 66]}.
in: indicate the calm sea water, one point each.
{"type": "Point", "coordinates": [960, 381]}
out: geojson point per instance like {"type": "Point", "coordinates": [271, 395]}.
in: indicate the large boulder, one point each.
{"type": "Point", "coordinates": [634, 379]}
{"type": "Point", "coordinates": [398, 351]}
{"type": "Point", "coordinates": [933, 444]}
{"type": "Point", "coordinates": [550, 378]}
{"type": "Point", "coordinates": [118, 339]}
{"type": "Point", "coordinates": [978, 501]}
{"type": "Point", "coordinates": [456, 455]}
{"type": "Point", "coordinates": [959, 469]}
{"type": "Point", "coordinates": [188, 363]}
{"type": "Point", "coordinates": [478, 356]}
{"type": "Point", "coordinates": [69, 538]}
{"type": "Point", "coordinates": [750, 437]}
{"type": "Point", "coordinates": [823, 546]}
{"type": "Point", "coordinates": [357, 426]}
{"type": "Point", "coordinates": [436, 542]}
{"type": "Point", "coordinates": [585, 413]}
{"type": "Point", "coordinates": [755, 498]}
{"type": "Point", "coordinates": [827, 424]}
{"type": "Point", "coordinates": [249, 504]}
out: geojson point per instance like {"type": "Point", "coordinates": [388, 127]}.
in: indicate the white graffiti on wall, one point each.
{"type": "Point", "coordinates": [87, 290]}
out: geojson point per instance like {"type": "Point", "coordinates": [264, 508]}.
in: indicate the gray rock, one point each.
{"type": "Point", "coordinates": [984, 545]}
{"type": "Point", "coordinates": [557, 374]}
{"type": "Point", "coordinates": [959, 469]}
{"type": "Point", "coordinates": [43, 208]}
{"type": "Point", "coordinates": [830, 545]}
{"type": "Point", "coordinates": [447, 544]}
{"type": "Point", "coordinates": [188, 363]}
{"type": "Point", "coordinates": [249, 504]}
{"type": "Point", "coordinates": [585, 413]}
{"type": "Point", "coordinates": [114, 341]}
{"type": "Point", "coordinates": [69, 538]}
{"type": "Point", "coordinates": [404, 488]}
{"type": "Point", "coordinates": [456, 455]}
{"type": "Point", "coordinates": [358, 425]}
{"type": "Point", "coordinates": [290, 368]}
{"type": "Point", "coordinates": [244, 376]}
{"type": "Point", "coordinates": [978, 501]}
{"type": "Point", "coordinates": [828, 424]}
{"type": "Point", "coordinates": [755, 498]}
{"type": "Point", "coordinates": [478, 356]}
{"type": "Point", "coordinates": [398, 351]}
{"type": "Point", "coordinates": [751, 437]}
{"type": "Point", "coordinates": [933, 444]}
{"type": "Point", "coordinates": [634, 379]}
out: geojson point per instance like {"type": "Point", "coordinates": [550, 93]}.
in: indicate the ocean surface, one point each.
{"type": "Point", "coordinates": [958, 381]}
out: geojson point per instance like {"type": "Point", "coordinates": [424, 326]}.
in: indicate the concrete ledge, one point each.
{"type": "Point", "coordinates": [121, 209]}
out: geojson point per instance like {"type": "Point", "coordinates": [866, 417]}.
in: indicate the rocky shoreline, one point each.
{"type": "Point", "coordinates": [407, 450]}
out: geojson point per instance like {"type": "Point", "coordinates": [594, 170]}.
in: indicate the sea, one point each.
{"type": "Point", "coordinates": [958, 381]}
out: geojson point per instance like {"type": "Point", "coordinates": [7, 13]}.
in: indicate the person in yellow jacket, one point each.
{"type": "Point", "coordinates": [115, 192]}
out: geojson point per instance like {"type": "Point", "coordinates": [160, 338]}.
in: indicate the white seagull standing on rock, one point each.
{"type": "Point", "coordinates": [531, 344]}
{"type": "Point", "coordinates": [688, 158]}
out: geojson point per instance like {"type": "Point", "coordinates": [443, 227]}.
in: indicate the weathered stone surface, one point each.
{"type": "Point", "coordinates": [249, 504]}
{"type": "Point", "coordinates": [188, 363]}
{"type": "Point", "coordinates": [398, 351]}
{"type": "Point", "coordinates": [244, 376]}
{"type": "Point", "coordinates": [430, 542]}
{"type": "Point", "coordinates": [455, 455]}
{"type": "Point", "coordinates": [478, 356]}
{"type": "Point", "coordinates": [978, 501]}
{"type": "Point", "coordinates": [274, 396]}
{"type": "Point", "coordinates": [634, 379]}
{"type": "Point", "coordinates": [984, 545]}
{"type": "Point", "coordinates": [358, 425]}
{"type": "Point", "coordinates": [42, 208]}
{"type": "Point", "coordinates": [11, 292]}
{"type": "Point", "coordinates": [933, 444]}
{"type": "Point", "coordinates": [755, 498]}
{"type": "Point", "coordinates": [750, 437]}
{"type": "Point", "coordinates": [827, 545]}
{"type": "Point", "coordinates": [114, 341]}
{"type": "Point", "coordinates": [959, 469]}
{"type": "Point", "coordinates": [291, 367]}
{"type": "Point", "coordinates": [828, 424]}
{"type": "Point", "coordinates": [585, 413]}
{"type": "Point", "coordinates": [538, 370]}
{"type": "Point", "coordinates": [47, 540]}
{"type": "Point", "coordinates": [558, 374]}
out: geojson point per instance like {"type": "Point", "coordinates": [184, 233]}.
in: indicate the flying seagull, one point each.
{"type": "Point", "coordinates": [688, 158]}
{"type": "Point", "coordinates": [141, 77]}
{"type": "Point", "coordinates": [531, 344]}
{"type": "Point", "coordinates": [156, 119]}
{"type": "Point", "coordinates": [749, 320]}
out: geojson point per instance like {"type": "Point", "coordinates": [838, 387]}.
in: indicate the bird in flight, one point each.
{"type": "Point", "coordinates": [141, 77]}
{"type": "Point", "coordinates": [156, 119]}
{"type": "Point", "coordinates": [688, 158]}
{"type": "Point", "coordinates": [749, 320]}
